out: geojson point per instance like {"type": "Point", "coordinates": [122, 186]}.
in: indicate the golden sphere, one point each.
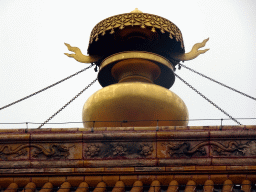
{"type": "Point", "coordinates": [134, 104]}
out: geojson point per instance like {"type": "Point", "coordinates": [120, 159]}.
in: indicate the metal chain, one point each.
{"type": "Point", "coordinates": [207, 99]}
{"type": "Point", "coordinates": [68, 103]}
{"type": "Point", "coordinates": [46, 87]}
{"type": "Point", "coordinates": [244, 94]}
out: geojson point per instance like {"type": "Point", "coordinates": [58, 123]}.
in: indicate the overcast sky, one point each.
{"type": "Point", "coordinates": [32, 36]}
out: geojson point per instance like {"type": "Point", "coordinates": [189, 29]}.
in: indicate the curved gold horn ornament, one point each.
{"type": "Point", "coordinates": [193, 53]}
{"type": "Point", "coordinates": [79, 56]}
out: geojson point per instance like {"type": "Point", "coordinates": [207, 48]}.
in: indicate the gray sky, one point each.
{"type": "Point", "coordinates": [32, 36]}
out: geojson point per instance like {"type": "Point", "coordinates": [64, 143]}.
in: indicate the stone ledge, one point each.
{"type": "Point", "coordinates": [176, 170]}
{"type": "Point", "coordinates": [161, 128]}
{"type": "Point", "coordinates": [119, 133]}
{"type": "Point", "coordinates": [114, 165]}
{"type": "Point", "coordinates": [123, 135]}
{"type": "Point", "coordinates": [184, 161]}
{"type": "Point", "coordinates": [121, 163]}
{"type": "Point", "coordinates": [56, 136]}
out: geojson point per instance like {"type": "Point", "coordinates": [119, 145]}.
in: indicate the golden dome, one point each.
{"type": "Point", "coordinates": [138, 103]}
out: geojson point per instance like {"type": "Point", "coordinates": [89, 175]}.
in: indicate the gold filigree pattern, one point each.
{"type": "Point", "coordinates": [143, 20]}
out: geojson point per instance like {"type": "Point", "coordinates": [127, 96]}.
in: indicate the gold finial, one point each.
{"type": "Point", "coordinates": [136, 10]}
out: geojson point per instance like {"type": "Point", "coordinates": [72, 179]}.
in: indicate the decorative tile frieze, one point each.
{"type": "Point", "coordinates": [13, 151]}
{"type": "Point", "coordinates": [119, 149]}
{"type": "Point", "coordinates": [179, 149]}
{"type": "Point", "coordinates": [92, 150]}
{"type": "Point", "coordinates": [45, 151]}
{"type": "Point", "coordinates": [112, 150]}
{"type": "Point", "coordinates": [55, 151]}
{"type": "Point", "coordinates": [146, 149]}
{"type": "Point", "coordinates": [51, 151]}
{"type": "Point", "coordinates": [234, 148]}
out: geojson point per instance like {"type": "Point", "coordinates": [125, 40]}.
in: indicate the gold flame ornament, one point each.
{"type": "Point", "coordinates": [194, 53]}
{"type": "Point", "coordinates": [79, 56]}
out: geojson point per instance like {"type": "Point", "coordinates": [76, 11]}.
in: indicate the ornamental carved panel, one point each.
{"type": "Point", "coordinates": [238, 148]}
{"type": "Point", "coordinates": [117, 150]}
{"type": "Point", "coordinates": [188, 149]}
{"type": "Point", "coordinates": [14, 152]}
{"type": "Point", "coordinates": [38, 151]}
{"type": "Point", "coordinates": [50, 151]}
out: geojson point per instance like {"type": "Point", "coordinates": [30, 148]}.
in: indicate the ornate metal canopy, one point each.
{"type": "Point", "coordinates": [136, 31]}
{"type": "Point", "coordinates": [143, 20]}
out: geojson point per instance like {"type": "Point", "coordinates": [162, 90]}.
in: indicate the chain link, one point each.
{"type": "Point", "coordinates": [244, 94]}
{"type": "Point", "coordinates": [68, 103]}
{"type": "Point", "coordinates": [46, 87]}
{"type": "Point", "coordinates": [207, 99]}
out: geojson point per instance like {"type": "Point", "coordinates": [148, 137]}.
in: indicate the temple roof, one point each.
{"type": "Point", "coordinates": [128, 159]}
{"type": "Point", "coordinates": [114, 184]}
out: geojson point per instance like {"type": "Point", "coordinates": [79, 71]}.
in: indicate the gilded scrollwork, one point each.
{"type": "Point", "coordinates": [143, 20]}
